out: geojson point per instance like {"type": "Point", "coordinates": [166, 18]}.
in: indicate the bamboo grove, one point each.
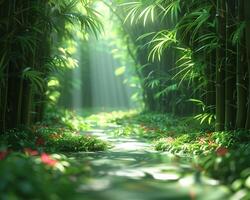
{"type": "Point", "coordinates": [192, 56]}
{"type": "Point", "coordinates": [31, 53]}
{"type": "Point", "coordinates": [193, 52]}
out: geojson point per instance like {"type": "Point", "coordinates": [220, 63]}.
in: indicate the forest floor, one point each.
{"type": "Point", "coordinates": [133, 170]}
{"type": "Point", "coordinates": [123, 155]}
{"type": "Point", "coordinates": [174, 147]}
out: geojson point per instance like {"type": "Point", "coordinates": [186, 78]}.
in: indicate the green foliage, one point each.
{"type": "Point", "coordinates": [238, 34]}
{"type": "Point", "coordinates": [66, 141]}
{"type": "Point", "coordinates": [34, 38]}
{"type": "Point", "coordinates": [18, 139]}
{"type": "Point", "coordinates": [186, 144]}
{"type": "Point", "coordinates": [35, 184]}
{"type": "Point", "coordinates": [202, 143]}
{"type": "Point", "coordinates": [231, 168]}
{"type": "Point", "coordinates": [52, 140]}
{"type": "Point", "coordinates": [35, 77]}
{"type": "Point", "coordinates": [155, 126]}
{"type": "Point", "coordinates": [181, 33]}
{"type": "Point", "coordinates": [137, 11]}
{"type": "Point", "coordinates": [65, 118]}
{"type": "Point", "coordinates": [207, 115]}
{"type": "Point", "coordinates": [221, 155]}
{"type": "Point", "coordinates": [166, 91]}
{"type": "Point", "coordinates": [160, 42]}
{"type": "Point", "coordinates": [60, 132]}
{"type": "Point", "coordinates": [191, 24]}
{"type": "Point", "coordinates": [147, 10]}
{"type": "Point", "coordinates": [27, 177]}
{"type": "Point", "coordinates": [187, 68]}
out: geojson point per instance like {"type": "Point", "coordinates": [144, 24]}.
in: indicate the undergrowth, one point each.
{"type": "Point", "coordinates": [222, 155]}
{"type": "Point", "coordinates": [61, 131]}
{"type": "Point", "coordinates": [33, 175]}
{"type": "Point", "coordinates": [32, 165]}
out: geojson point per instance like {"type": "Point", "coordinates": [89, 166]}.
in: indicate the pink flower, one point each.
{"type": "Point", "coordinates": [221, 151]}
{"type": "Point", "coordinates": [46, 159]}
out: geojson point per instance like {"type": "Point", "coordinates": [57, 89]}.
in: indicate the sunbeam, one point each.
{"type": "Point", "coordinates": [125, 99]}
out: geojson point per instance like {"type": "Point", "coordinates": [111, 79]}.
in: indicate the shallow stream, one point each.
{"type": "Point", "coordinates": [132, 170]}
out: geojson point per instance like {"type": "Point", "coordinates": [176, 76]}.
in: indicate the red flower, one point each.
{"type": "Point", "coordinates": [3, 154]}
{"type": "Point", "coordinates": [40, 141]}
{"type": "Point", "coordinates": [221, 151]}
{"type": "Point", "coordinates": [31, 152]}
{"type": "Point", "coordinates": [46, 159]}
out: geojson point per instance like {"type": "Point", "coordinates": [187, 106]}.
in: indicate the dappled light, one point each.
{"type": "Point", "coordinates": [125, 100]}
{"type": "Point", "coordinates": [108, 90]}
{"type": "Point", "coordinates": [127, 164]}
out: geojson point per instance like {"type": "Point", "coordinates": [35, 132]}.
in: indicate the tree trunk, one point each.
{"type": "Point", "coordinates": [220, 66]}
{"type": "Point", "coordinates": [247, 34]}
{"type": "Point", "coordinates": [26, 103]}
{"type": "Point", "coordinates": [241, 75]}
{"type": "Point", "coordinates": [230, 71]}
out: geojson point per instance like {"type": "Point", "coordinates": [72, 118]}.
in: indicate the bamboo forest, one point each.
{"type": "Point", "coordinates": [125, 99]}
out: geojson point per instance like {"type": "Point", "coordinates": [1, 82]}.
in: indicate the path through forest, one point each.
{"type": "Point", "coordinates": [132, 170]}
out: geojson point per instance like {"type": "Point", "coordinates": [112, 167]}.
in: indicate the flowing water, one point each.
{"type": "Point", "coordinates": [132, 170]}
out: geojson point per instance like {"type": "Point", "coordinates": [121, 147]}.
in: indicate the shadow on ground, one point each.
{"type": "Point", "coordinates": [131, 170]}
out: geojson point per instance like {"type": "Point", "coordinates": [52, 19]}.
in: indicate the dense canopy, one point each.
{"type": "Point", "coordinates": [123, 78]}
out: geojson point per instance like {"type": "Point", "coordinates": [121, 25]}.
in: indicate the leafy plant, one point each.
{"type": "Point", "coordinates": [205, 116]}
{"type": "Point", "coordinates": [25, 176]}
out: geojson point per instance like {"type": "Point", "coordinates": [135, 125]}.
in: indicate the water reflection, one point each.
{"type": "Point", "coordinates": [139, 173]}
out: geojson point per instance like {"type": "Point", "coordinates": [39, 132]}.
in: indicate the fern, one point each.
{"type": "Point", "coordinates": [35, 77]}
